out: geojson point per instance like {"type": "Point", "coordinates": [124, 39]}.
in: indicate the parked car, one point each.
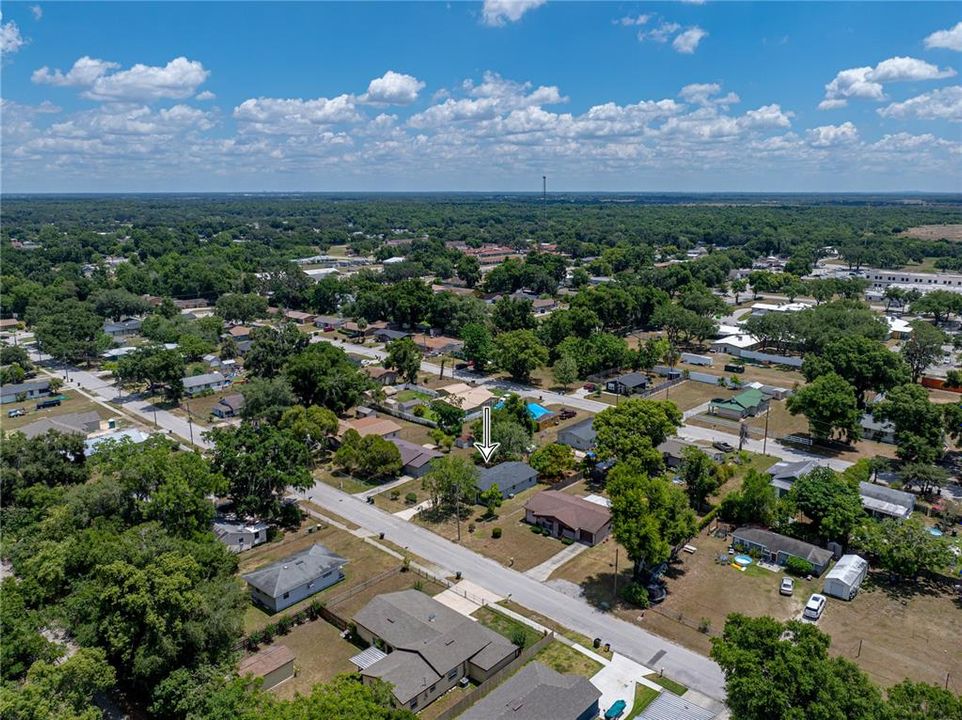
{"type": "Point", "coordinates": [590, 387]}
{"type": "Point", "coordinates": [17, 412]}
{"type": "Point", "coordinates": [814, 607]}
{"type": "Point", "coordinates": [656, 592]}
{"type": "Point", "coordinates": [787, 586]}
{"type": "Point", "coordinates": [566, 414]}
{"type": "Point", "coordinates": [723, 446]}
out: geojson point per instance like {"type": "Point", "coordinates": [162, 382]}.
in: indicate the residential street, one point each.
{"type": "Point", "coordinates": [681, 664]}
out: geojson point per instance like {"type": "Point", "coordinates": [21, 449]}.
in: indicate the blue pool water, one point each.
{"type": "Point", "coordinates": [743, 560]}
{"type": "Point", "coordinates": [537, 411]}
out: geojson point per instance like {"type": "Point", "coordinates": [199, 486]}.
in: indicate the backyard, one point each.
{"type": "Point", "coordinates": [566, 660]}
{"type": "Point", "coordinates": [71, 402]}
{"type": "Point", "coordinates": [311, 665]}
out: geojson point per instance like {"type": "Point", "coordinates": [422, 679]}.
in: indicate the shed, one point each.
{"type": "Point", "coordinates": [274, 664]}
{"type": "Point", "coordinates": [844, 580]}
{"type": "Point", "coordinates": [580, 436]}
{"type": "Point", "coordinates": [693, 359]}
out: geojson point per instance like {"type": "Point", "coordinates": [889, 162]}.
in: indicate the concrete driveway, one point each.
{"type": "Point", "coordinates": [543, 571]}
{"type": "Point", "coordinates": [617, 679]}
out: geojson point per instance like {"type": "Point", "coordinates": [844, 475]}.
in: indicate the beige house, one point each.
{"type": "Point", "coordinates": [370, 425]}
{"type": "Point", "coordinates": [467, 397]}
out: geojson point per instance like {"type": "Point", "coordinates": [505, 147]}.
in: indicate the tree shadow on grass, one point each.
{"type": "Point", "coordinates": [905, 589]}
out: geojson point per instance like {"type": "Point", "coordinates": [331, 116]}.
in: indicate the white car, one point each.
{"type": "Point", "coordinates": [814, 607]}
{"type": "Point", "coordinates": [787, 586]}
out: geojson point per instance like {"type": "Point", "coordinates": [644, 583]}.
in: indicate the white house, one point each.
{"type": "Point", "coordinates": [197, 384]}
{"type": "Point", "coordinates": [735, 344]}
{"type": "Point", "coordinates": [761, 308]}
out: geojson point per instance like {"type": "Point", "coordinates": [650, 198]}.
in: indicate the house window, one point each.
{"type": "Point", "coordinates": [286, 595]}
{"type": "Point", "coordinates": [414, 703]}
{"type": "Point", "coordinates": [257, 534]}
{"type": "Point", "coordinates": [453, 674]}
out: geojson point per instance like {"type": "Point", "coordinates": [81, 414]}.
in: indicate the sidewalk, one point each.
{"type": "Point", "coordinates": [543, 571]}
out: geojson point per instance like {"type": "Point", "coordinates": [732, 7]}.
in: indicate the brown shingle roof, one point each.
{"type": "Point", "coordinates": [574, 512]}
{"type": "Point", "coordinates": [266, 661]}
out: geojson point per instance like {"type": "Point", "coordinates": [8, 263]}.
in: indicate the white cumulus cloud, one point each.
{"type": "Point", "coordinates": [830, 135]}
{"type": "Point", "coordinates": [177, 79]}
{"type": "Point", "coordinates": [867, 83]}
{"type": "Point", "coordinates": [707, 94]}
{"type": "Point", "coordinates": [10, 38]}
{"type": "Point", "coordinates": [497, 13]}
{"type": "Point", "coordinates": [294, 116]}
{"type": "Point", "coordinates": [687, 42]}
{"type": "Point", "coordinates": [942, 104]}
{"type": "Point", "coordinates": [393, 88]}
{"type": "Point", "coordinates": [950, 39]}
{"type": "Point", "coordinates": [630, 20]}
{"type": "Point", "coordinates": [37, 12]}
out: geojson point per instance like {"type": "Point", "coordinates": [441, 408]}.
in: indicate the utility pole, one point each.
{"type": "Point", "coordinates": [616, 571]}
{"type": "Point", "coordinates": [457, 510]}
{"type": "Point", "coordinates": [765, 441]}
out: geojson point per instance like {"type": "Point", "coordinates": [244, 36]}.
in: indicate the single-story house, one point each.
{"type": "Point", "coordinates": [298, 576]}
{"type": "Point", "coordinates": [197, 384]}
{"type": "Point", "coordinates": [673, 451]}
{"type": "Point", "coordinates": [132, 435]}
{"type": "Point", "coordinates": [581, 436]}
{"type": "Point", "coordinates": [467, 397]}
{"type": "Point", "coordinates": [568, 516]}
{"type": "Point", "coordinates": [778, 548]}
{"type": "Point", "coordinates": [9, 323]}
{"type": "Point", "coordinates": [122, 328]}
{"type": "Point", "coordinates": [70, 423]}
{"type": "Point", "coordinates": [191, 304]}
{"type": "Point", "coordinates": [387, 335]}
{"type": "Point", "coordinates": [784, 474]}
{"type": "Point", "coordinates": [735, 344]}
{"type": "Point", "coordinates": [353, 330]}
{"type": "Point", "coordinates": [416, 459]}
{"type": "Point", "coordinates": [877, 430]}
{"type": "Point", "coordinates": [240, 332]}
{"type": "Point", "coordinates": [274, 664]}
{"type": "Point", "coordinates": [899, 329]}
{"type": "Point", "coordinates": [240, 535]}
{"type": "Point", "coordinates": [510, 477]}
{"type": "Point", "coordinates": [537, 692]}
{"type": "Point", "coordinates": [885, 502]}
{"type": "Point", "coordinates": [540, 306]}
{"type": "Point", "coordinates": [301, 318]}
{"type": "Point", "coordinates": [628, 384]}
{"type": "Point", "coordinates": [438, 345]}
{"type": "Point", "coordinates": [328, 322]}
{"type": "Point", "coordinates": [422, 648]}
{"type": "Point", "coordinates": [370, 425]}
{"type": "Point", "coordinates": [747, 403]}
{"type": "Point", "coordinates": [762, 308]}
{"type": "Point", "coordinates": [28, 390]}
{"type": "Point", "coordinates": [244, 346]}
{"type": "Point", "coordinates": [228, 406]}
{"type": "Point", "coordinates": [382, 375]}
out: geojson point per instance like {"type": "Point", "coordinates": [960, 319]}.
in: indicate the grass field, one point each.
{"type": "Point", "coordinates": [201, 407]}
{"type": "Point", "coordinates": [690, 394]}
{"type": "Point", "coordinates": [671, 686]}
{"type": "Point", "coordinates": [73, 402]}
{"type": "Point", "coordinates": [568, 661]}
{"type": "Point", "coordinates": [506, 626]}
{"type": "Point", "coordinates": [517, 547]}
{"type": "Point", "coordinates": [383, 500]}
{"type": "Point", "coordinates": [644, 696]}
{"type": "Point", "coordinates": [936, 232]}
{"type": "Point", "coordinates": [555, 627]}
{"type": "Point", "coordinates": [320, 654]}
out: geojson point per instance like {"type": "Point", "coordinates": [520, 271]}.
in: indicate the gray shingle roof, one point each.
{"type": "Point", "coordinates": [536, 692]}
{"type": "Point", "coordinates": [200, 380]}
{"type": "Point", "coordinates": [17, 388]}
{"type": "Point", "coordinates": [294, 571]}
{"type": "Point", "coordinates": [780, 543]}
{"type": "Point", "coordinates": [633, 380]}
{"type": "Point", "coordinates": [583, 430]}
{"type": "Point", "coordinates": [81, 423]}
{"type": "Point", "coordinates": [413, 454]}
{"type": "Point", "coordinates": [505, 475]}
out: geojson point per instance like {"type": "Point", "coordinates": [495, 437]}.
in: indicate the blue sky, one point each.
{"type": "Point", "coordinates": [686, 96]}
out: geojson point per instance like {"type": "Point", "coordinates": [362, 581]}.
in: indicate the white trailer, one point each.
{"type": "Point", "coordinates": [844, 580]}
{"type": "Point", "coordinates": [693, 359]}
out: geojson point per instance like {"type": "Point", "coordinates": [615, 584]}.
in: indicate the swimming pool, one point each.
{"type": "Point", "coordinates": [743, 560]}
{"type": "Point", "coordinates": [537, 411]}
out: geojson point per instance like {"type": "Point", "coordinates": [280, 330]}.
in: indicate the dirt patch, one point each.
{"type": "Point", "coordinates": [935, 232]}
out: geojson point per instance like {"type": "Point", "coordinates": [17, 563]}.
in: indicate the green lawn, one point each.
{"type": "Point", "coordinates": [644, 696]}
{"type": "Point", "coordinates": [509, 627]}
{"type": "Point", "coordinates": [566, 660]}
{"type": "Point", "coordinates": [406, 395]}
{"type": "Point", "coordinates": [669, 685]}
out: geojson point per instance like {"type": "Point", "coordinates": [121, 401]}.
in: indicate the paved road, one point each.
{"type": "Point", "coordinates": [690, 668]}
{"type": "Point", "coordinates": [144, 409]}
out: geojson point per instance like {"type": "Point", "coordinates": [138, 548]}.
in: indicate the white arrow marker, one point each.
{"type": "Point", "coordinates": [486, 448]}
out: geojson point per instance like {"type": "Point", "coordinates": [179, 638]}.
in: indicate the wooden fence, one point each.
{"type": "Point", "coordinates": [492, 682]}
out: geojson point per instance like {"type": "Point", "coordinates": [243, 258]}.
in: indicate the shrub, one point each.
{"type": "Point", "coordinates": [395, 494]}
{"type": "Point", "coordinates": [411, 498]}
{"type": "Point", "coordinates": [704, 626]}
{"type": "Point", "coordinates": [496, 533]}
{"type": "Point", "coordinates": [519, 637]}
{"type": "Point", "coordinates": [535, 529]}
{"type": "Point", "coordinates": [798, 566]}
{"type": "Point", "coordinates": [566, 541]}
{"type": "Point", "coordinates": [418, 411]}
{"type": "Point", "coordinates": [268, 633]}
{"type": "Point", "coordinates": [635, 593]}
{"type": "Point", "coordinates": [284, 625]}
{"type": "Point", "coordinates": [418, 585]}
{"type": "Point", "coordinates": [709, 516]}
{"type": "Point", "coordinates": [314, 610]}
